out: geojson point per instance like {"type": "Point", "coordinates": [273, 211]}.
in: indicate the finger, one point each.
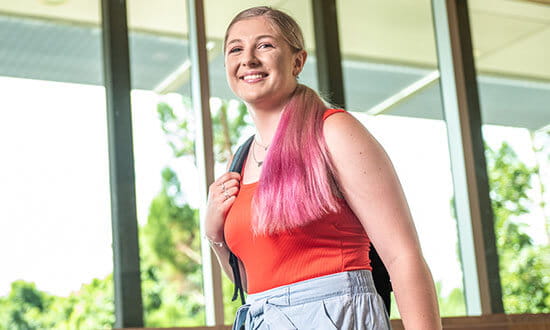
{"type": "Point", "coordinates": [222, 197]}
{"type": "Point", "coordinates": [234, 174]}
{"type": "Point", "coordinates": [231, 175]}
{"type": "Point", "coordinates": [225, 182]}
{"type": "Point", "coordinates": [231, 183]}
{"type": "Point", "coordinates": [225, 177]}
{"type": "Point", "coordinates": [232, 191]}
{"type": "Point", "coordinates": [229, 200]}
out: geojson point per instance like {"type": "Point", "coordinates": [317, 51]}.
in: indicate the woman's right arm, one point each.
{"type": "Point", "coordinates": [222, 253]}
{"type": "Point", "coordinates": [221, 196]}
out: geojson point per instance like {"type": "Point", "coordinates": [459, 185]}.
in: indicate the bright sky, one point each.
{"type": "Point", "coordinates": [55, 225]}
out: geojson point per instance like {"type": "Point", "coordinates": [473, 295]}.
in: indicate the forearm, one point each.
{"type": "Point", "coordinates": [222, 254]}
{"type": "Point", "coordinates": [415, 293]}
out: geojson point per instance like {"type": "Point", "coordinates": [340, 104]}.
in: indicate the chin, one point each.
{"type": "Point", "coordinates": [253, 98]}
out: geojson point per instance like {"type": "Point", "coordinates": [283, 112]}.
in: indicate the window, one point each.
{"type": "Point", "coordinates": [513, 74]}
{"type": "Point", "coordinates": [55, 219]}
{"type": "Point", "coordinates": [391, 85]}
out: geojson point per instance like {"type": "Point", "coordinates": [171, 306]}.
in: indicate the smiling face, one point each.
{"type": "Point", "coordinates": [260, 66]}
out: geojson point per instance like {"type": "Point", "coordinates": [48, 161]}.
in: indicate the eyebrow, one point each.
{"type": "Point", "coordinates": [257, 38]}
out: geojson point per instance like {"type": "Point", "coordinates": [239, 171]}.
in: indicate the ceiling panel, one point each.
{"type": "Point", "coordinates": [510, 36]}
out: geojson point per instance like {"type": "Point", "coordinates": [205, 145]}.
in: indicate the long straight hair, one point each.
{"type": "Point", "coordinates": [296, 185]}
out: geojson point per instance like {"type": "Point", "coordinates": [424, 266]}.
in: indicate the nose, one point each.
{"type": "Point", "coordinates": [250, 59]}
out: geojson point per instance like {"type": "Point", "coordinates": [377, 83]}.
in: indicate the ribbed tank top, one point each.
{"type": "Point", "coordinates": [334, 243]}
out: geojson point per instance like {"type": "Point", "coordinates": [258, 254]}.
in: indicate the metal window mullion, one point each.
{"type": "Point", "coordinates": [463, 118]}
{"type": "Point", "coordinates": [127, 280]}
{"type": "Point", "coordinates": [204, 152]}
{"type": "Point", "coordinates": [327, 51]}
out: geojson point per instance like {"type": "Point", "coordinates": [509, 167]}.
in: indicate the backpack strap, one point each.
{"type": "Point", "coordinates": [236, 166]}
{"type": "Point", "coordinates": [380, 277]}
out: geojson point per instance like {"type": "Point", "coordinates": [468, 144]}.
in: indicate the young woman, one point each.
{"type": "Point", "coordinates": [315, 190]}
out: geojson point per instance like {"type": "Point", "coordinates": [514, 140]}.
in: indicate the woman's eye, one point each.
{"type": "Point", "coordinates": [234, 50]}
{"type": "Point", "coordinates": [266, 46]}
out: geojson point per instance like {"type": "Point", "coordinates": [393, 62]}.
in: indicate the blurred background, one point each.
{"type": "Point", "coordinates": [55, 220]}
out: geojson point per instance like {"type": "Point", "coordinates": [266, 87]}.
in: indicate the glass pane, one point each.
{"type": "Point", "coordinates": [387, 47]}
{"type": "Point", "coordinates": [166, 175]}
{"type": "Point", "coordinates": [55, 220]}
{"type": "Point", "coordinates": [232, 124]}
{"type": "Point", "coordinates": [510, 43]}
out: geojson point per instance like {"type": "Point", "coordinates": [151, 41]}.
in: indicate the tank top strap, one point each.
{"type": "Point", "coordinates": [330, 112]}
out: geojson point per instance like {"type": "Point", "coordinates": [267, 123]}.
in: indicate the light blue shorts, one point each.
{"type": "Point", "coordinates": [345, 300]}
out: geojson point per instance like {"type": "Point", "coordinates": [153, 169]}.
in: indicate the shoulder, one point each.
{"type": "Point", "coordinates": [352, 148]}
{"type": "Point", "coordinates": [342, 130]}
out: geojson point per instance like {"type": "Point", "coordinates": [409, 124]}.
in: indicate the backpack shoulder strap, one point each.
{"type": "Point", "coordinates": [236, 166]}
{"type": "Point", "coordinates": [381, 278]}
{"type": "Point", "coordinates": [240, 156]}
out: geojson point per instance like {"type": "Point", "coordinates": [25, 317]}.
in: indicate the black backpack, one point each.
{"type": "Point", "coordinates": [379, 271]}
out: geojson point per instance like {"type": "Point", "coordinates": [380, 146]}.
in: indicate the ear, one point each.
{"type": "Point", "coordinates": [299, 62]}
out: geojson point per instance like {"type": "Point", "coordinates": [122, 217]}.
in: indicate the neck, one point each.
{"type": "Point", "coordinates": [266, 120]}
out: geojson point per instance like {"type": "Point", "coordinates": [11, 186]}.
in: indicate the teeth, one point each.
{"type": "Point", "coordinates": [253, 76]}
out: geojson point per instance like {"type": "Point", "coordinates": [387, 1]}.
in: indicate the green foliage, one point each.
{"type": "Point", "coordinates": [23, 306]}
{"type": "Point", "coordinates": [452, 304]}
{"type": "Point", "coordinates": [523, 265]}
{"type": "Point", "coordinates": [229, 128]}
{"type": "Point", "coordinates": [170, 241]}
{"type": "Point", "coordinates": [171, 265]}
{"type": "Point", "coordinates": [229, 307]}
{"type": "Point", "coordinates": [172, 229]}
{"type": "Point", "coordinates": [226, 126]}
{"type": "Point", "coordinates": [178, 130]}
{"type": "Point", "coordinates": [26, 307]}
{"type": "Point", "coordinates": [169, 250]}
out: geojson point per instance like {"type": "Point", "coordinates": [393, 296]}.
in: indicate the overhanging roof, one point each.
{"type": "Point", "coordinates": [39, 49]}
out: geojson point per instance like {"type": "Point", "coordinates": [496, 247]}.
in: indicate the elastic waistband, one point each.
{"type": "Point", "coordinates": [350, 282]}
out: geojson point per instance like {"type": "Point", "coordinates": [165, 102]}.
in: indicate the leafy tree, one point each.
{"type": "Point", "coordinates": [523, 265]}
{"type": "Point", "coordinates": [170, 241]}
{"type": "Point", "coordinates": [26, 307]}
{"type": "Point", "coordinates": [22, 307]}
{"type": "Point", "coordinates": [226, 126]}
{"type": "Point", "coordinates": [169, 245]}
{"type": "Point", "coordinates": [171, 281]}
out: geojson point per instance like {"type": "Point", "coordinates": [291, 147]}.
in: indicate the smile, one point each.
{"type": "Point", "coordinates": [254, 77]}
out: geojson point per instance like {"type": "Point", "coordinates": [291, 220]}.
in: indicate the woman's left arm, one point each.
{"type": "Point", "coordinates": [370, 186]}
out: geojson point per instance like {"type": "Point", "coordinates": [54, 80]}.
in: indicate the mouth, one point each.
{"type": "Point", "coordinates": [253, 77]}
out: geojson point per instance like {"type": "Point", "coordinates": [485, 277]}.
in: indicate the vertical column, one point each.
{"type": "Point", "coordinates": [327, 51]}
{"type": "Point", "coordinates": [462, 114]}
{"type": "Point", "coordinates": [128, 303]}
{"type": "Point", "coordinates": [205, 157]}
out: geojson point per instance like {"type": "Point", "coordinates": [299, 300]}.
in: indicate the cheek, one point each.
{"type": "Point", "coordinates": [229, 71]}
{"type": "Point", "coordinates": [286, 70]}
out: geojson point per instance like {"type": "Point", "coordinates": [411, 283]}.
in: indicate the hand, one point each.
{"type": "Point", "coordinates": [221, 195]}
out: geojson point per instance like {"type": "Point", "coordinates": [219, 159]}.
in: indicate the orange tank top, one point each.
{"type": "Point", "coordinates": [334, 243]}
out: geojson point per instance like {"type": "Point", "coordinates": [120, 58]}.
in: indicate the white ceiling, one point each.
{"type": "Point", "coordinates": [511, 37]}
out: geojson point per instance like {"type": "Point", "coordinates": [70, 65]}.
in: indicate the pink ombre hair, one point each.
{"type": "Point", "coordinates": [296, 184]}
